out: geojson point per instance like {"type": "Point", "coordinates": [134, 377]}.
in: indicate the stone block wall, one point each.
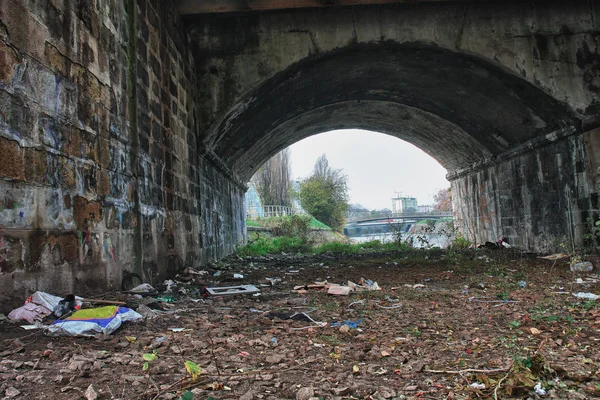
{"type": "Point", "coordinates": [100, 170]}
{"type": "Point", "coordinates": [542, 199]}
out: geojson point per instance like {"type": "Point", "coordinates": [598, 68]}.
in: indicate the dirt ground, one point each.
{"type": "Point", "coordinates": [466, 331]}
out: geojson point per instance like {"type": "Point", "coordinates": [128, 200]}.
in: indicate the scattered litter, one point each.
{"type": "Point", "coordinates": [522, 284]}
{"type": "Point", "coordinates": [179, 329]}
{"type": "Point", "coordinates": [37, 325]}
{"type": "Point", "coordinates": [191, 271]}
{"type": "Point", "coordinates": [65, 306]}
{"type": "Point", "coordinates": [485, 300]}
{"type": "Point", "coordinates": [29, 312]}
{"type": "Point", "coordinates": [2, 317]}
{"type": "Point", "coordinates": [588, 296]}
{"type": "Point", "coordinates": [584, 266]}
{"type": "Point", "coordinates": [90, 321]}
{"type": "Point", "coordinates": [238, 276]}
{"type": "Point", "coordinates": [274, 340]}
{"type": "Point", "coordinates": [273, 281]}
{"type": "Point", "coordinates": [166, 299]}
{"type": "Point", "coordinates": [502, 243]}
{"type": "Point", "coordinates": [555, 256]}
{"type": "Point", "coordinates": [90, 393]}
{"type": "Point", "coordinates": [350, 324]}
{"type": "Point", "coordinates": [233, 290]}
{"type": "Point", "coordinates": [418, 286]}
{"type": "Point", "coordinates": [398, 305]}
{"type": "Point", "coordinates": [314, 286]}
{"type": "Point", "coordinates": [294, 316]}
{"type": "Point", "coordinates": [539, 389]}
{"type": "Point", "coordinates": [477, 385]}
{"type": "Point", "coordinates": [364, 285]}
{"type": "Point", "coordinates": [11, 392]}
{"type": "Point", "coordinates": [579, 281]}
{"type": "Point", "coordinates": [218, 273]}
{"type": "Point", "coordinates": [170, 284]}
{"type": "Point", "coordinates": [38, 306]}
{"type": "Point", "coordinates": [338, 290]}
{"type": "Point", "coordinates": [158, 341]}
{"type": "Point", "coordinates": [143, 288]}
{"type": "Point", "coordinates": [361, 302]}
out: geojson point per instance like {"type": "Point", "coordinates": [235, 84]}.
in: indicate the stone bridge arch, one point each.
{"type": "Point", "coordinates": [503, 95]}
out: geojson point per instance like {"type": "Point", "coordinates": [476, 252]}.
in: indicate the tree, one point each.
{"type": "Point", "coordinates": [442, 200]}
{"type": "Point", "coordinates": [324, 194]}
{"type": "Point", "coordinates": [273, 180]}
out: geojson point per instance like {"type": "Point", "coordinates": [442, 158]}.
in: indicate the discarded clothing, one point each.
{"type": "Point", "coordinates": [30, 312]}
{"type": "Point", "coordinates": [91, 321]}
{"type": "Point", "coordinates": [65, 306]}
{"type": "Point", "coordinates": [38, 306]}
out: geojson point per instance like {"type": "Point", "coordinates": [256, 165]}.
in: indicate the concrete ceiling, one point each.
{"type": "Point", "coordinates": [194, 7]}
{"type": "Point", "coordinates": [457, 108]}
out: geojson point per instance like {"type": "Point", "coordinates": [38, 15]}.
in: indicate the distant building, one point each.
{"type": "Point", "coordinates": [253, 205]}
{"type": "Point", "coordinates": [404, 205]}
{"type": "Point", "coordinates": [296, 198]}
{"type": "Point", "coordinates": [425, 209]}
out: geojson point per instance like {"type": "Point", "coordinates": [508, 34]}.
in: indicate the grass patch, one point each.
{"type": "Point", "coordinates": [253, 223]}
{"type": "Point", "coordinates": [316, 224]}
{"type": "Point", "coordinates": [268, 222]}
{"type": "Point", "coordinates": [265, 246]}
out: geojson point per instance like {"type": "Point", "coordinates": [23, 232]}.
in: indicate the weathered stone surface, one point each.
{"type": "Point", "coordinates": [504, 95]}
{"type": "Point", "coordinates": [99, 167]}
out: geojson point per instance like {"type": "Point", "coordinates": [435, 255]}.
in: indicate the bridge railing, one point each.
{"type": "Point", "coordinates": [368, 216]}
{"type": "Point", "coordinates": [257, 212]}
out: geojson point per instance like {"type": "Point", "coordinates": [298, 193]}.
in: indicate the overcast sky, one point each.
{"type": "Point", "coordinates": [377, 166]}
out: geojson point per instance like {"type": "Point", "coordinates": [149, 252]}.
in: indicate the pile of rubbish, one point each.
{"type": "Point", "coordinates": [363, 285]}
{"type": "Point", "coordinates": [68, 318]}
{"type": "Point", "coordinates": [77, 316]}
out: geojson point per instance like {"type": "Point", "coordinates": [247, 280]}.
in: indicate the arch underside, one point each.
{"type": "Point", "coordinates": [457, 108]}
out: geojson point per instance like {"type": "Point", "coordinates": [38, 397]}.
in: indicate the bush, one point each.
{"type": "Point", "coordinates": [460, 242]}
{"type": "Point", "coordinates": [265, 246]}
{"type": "Point", "coordinates": [372, 244]}
{"type": "Point", "coordinates": [291, 226]}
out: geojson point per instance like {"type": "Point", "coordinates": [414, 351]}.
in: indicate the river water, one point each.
{"type": "Point", "coordinates": [418, 240]}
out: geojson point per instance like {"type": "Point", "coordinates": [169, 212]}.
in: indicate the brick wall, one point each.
{"type": "Point", "coordinates": [100, 170]}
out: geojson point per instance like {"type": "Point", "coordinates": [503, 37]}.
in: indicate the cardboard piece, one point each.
{"type": "Point", "coordinates": [232, 290]}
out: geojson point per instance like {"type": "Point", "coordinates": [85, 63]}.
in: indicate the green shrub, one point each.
{"type": "Point", "coordinates": [290, 225]}
{"type": "Point", "coordinates": [460, 242]}
{"type": "Point", "coordinates": [282, 244]}
{"type": "Point", "coordinates": [372, 244]}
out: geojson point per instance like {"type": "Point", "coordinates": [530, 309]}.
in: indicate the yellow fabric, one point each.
{"type": "Point", "coordinates": [94, 313]}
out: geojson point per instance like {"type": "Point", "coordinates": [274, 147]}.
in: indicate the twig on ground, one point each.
{"type": "Point", "coordinates": [502, 380]}
{"type": "Point", "coordinates": [483, 300]}
{"type": "Point", "coordinates": [212, 352]}
{"type": "Point", "coordinates": [165, 390]}
{"type": "Point", "coordinates": [462, 371]}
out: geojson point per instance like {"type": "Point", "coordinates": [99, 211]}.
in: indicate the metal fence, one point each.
{"type": "Point", "coordinates": [270, 211]}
